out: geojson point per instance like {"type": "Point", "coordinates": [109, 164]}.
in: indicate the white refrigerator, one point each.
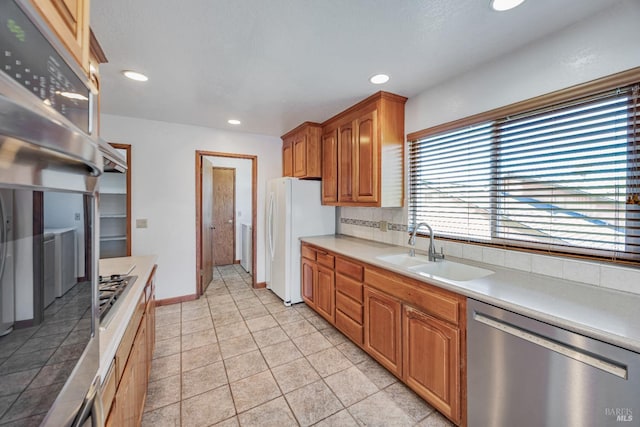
{"type": "Point", "coordinates": [293, 211]}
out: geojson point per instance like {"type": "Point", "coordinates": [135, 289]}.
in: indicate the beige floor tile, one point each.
{"type": "Point", "coordinates": [198, 339]}
{"type": "Point", "coordinates": [245, 365]}
{"type": "Point", "coordinates": [435, 420]}
{"type": "Point", "coordinates": [167, 416]}
{"type": "Point", "coordinates": [276, 307]}
{"type": "Point", "coordinates": [341, 419]}
{"type": "Point", "coordinates": [261, 323]}
{"type": "Point", "coordinates": [239, 345]}
{"type": "Point", "coordinates": [334, 336]}
{"type": "Point", "coordinates": [163, 392]}
{"type": "Point", "coordinates": [304, 310]}
{"type": "Point", "coordinates": [231, 330]}
{"type": "Point", "coordinates": [242, 293]}
{"type": "Point", "coordinates": [165, 309]}
{"type": "Point", "coordinates": [227, 317]}
{"type": "Point", "coordinates": [293, 375]}
{"type": "Point", "coordinates": [275, 413]}
{"type": "Point", "coordinates": [253, 312]}
{"type": "Point", "coordinates": [408, 401]}
{"type": "Point", "coordinates": [192, 326]}
{"type": "Point", "coordinates": [195, 313]}
{"type": "Point", "coordinates": [168, 318]}
{"type": "Point", "coordinates": [166, 348]}
{"type": "Point", "coordinates": [379, 410]}
{"type": "Point", "coordinates": [376, 373]}
{"type": "Point", "coordinates": [230, 422]}
{"type": "Point", "coordinates": [208, 408]}
{"type": "Point", "coordinates": [200, 356]}
{"type": "Point", "coordinates": [311, 343]}
{"type": "Point", "coordinates": [281, 353]}
{"type": "Point", "coordinates": [298, 328]}
{"type": "Point", "coordinates": [313, 402]}
{"type": "Point", "coordinates": [254, 390]}
{"type": "Point", "coordinates": [167, 332]}
{"type": "Point", "coordinates": [351, 386]}
{"type": "Point", "coordinates": [248, 303]}
{"type": "Point", "coordinates": [203, 379]}
{"type": "Point", "coordinates": [269, 336]}
{"type": "Point", "coordinates": [319, 323]}
{"type": "Point", "coordinates": [165, 367]}
{"type": "Point", "coordinates": [352, 352]}
{"type": "Point", "coordinates": [287, 316]}
{"type": "Point", "coordinates": [329, 361]}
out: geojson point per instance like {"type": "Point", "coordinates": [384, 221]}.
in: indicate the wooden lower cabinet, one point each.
{"type": "Point", "coordinates": [431, 353]}
{"type": "Point", "coordinates": [132, 364]}
{"type": "Point", "coordinates": [308, 279]}
{"type": "Point", "coordinates": [325, 294]}
{"type": "Point", "coordinates": [382, 329]}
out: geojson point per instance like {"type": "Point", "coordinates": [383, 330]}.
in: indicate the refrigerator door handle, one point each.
{"type": "Point", "coordinates": [270, 226]}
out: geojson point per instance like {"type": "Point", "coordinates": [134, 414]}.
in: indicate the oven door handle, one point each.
{"type": "Point", "coordinates": [91, 407]}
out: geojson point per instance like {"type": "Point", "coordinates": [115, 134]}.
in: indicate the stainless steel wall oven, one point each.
{"type": "Point", "coordinates": [50, 161]}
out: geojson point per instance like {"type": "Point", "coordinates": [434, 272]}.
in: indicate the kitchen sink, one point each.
{"type": "Point", "coordinates": [450, 270]}
{"type": "Point", "coordinates": [404, 260]}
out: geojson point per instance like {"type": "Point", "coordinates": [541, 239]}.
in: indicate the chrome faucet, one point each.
{"type": "Point", "coordinates": [433, 256]}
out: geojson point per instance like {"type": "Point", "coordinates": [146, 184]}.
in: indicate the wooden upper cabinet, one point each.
{"type": "Point", "coordinates": [287, 156]}
{"type": "Point", "coordinates": [69, 20]}
{"type": "Point", "coordinates": [330, 167]}
{"type": "Point", "coordinates": [301, 151]}
{"type": "Point", "coordinates": [370, 153]}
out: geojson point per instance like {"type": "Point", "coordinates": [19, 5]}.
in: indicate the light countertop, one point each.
{"type": "Point", "coordinates": [111, 334]}
{"type": "Point", "coordinates": [604, 314]}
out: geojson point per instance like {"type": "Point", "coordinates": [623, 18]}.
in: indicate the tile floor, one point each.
{"type": "Point", "coordinates": [240, 357]}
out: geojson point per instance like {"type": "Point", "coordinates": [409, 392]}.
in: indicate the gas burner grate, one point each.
{"type": "Point", "coordinates": [110, 289]}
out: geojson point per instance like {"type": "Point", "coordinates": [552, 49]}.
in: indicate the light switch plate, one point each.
{"type": "Point", "coordinates": [141, 223]}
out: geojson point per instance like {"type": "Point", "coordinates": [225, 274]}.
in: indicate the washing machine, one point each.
{"type": "Point", "coordinates": [7, 283]}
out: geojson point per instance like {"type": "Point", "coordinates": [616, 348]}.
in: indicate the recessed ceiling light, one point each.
{"type": "Point", "coordinates": [134, 75]}
{"type": "Point", "coordinates": [72, 95]}
{"type": "Point", "coordinates": [379, 79]}
{"type": "Point", "coordinates": [502, 5]}
{"type": "Point", "coordinates": [233, 122]}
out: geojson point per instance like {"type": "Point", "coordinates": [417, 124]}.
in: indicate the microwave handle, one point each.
{"type": "Point", "coordinates": [91, 407]}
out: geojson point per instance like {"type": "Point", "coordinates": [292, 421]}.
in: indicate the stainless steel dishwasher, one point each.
{"type": "Point", "coordinates": [523, 372]}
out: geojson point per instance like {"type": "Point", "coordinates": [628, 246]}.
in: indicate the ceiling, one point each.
{"type": "Point", "coordinates": [274, 64]}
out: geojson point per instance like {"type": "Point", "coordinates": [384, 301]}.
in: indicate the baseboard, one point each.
{"type": "Point", "coordinates": [260, 285]}
{"type": "Point", "coordinates": [236, 261]}
{"type": "Point", "coordinates": [176, 300]}
{"type": "Point", "coordinates": [19, 324]}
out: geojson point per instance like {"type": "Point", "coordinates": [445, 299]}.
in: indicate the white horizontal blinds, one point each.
{"type": "Point", "coordinates": [562, 178]}
{"type": "Point", "coordinates": [562, 175]}
{"type": "Point", "coordinates": [450, 177]}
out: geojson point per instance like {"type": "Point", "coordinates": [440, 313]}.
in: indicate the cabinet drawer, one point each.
{"type": "Point", "coordinates": [350, 269]}
{"type": "Point", "coordinates": [325, 259]}
{"type": "Point", "coordinates": [437, 302]}
{"type": "Point", "coordinates": [308, 252]}
{"type": "Point", "coordinates": [351, 308]}
{"type": "Point", "coordinates": [122, 354]}
{"type": "Point", "coordinates": [349, 327]}
{"type": "Point", "coordinates": [349, 287]}
{"type": "Point", "coordinates": [109, 388]}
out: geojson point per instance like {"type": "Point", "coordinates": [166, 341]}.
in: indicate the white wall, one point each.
{"type": "Point", "coordinates": [163, 190]}
{"type": "Point", "coordinates": [23, 253]}
{"type": "Point", "coordinates": [242, 193]}
{"type": "Point", "coordinates": [604, 44]}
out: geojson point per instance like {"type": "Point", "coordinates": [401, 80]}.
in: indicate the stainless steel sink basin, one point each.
{"type": "Point", "coordinates": [404, 260]}
{"type": "Point", "coordinates": [450, 270]}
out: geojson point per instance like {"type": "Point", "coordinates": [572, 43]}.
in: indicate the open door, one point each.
{"type": "Point", "coordinates": [206, 261]}
{"type": "Point", "coordinates": [224, 226]}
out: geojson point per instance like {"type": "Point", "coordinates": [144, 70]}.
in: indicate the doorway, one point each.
{"type": "Point", "coordinates": [208, 252]}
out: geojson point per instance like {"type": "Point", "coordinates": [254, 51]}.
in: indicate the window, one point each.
{"type": "Point", "coordinates": [563, 178]}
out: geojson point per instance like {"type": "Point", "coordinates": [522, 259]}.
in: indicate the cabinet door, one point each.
{"type": "Point", "coordinates": [287, 157]}
{"type": "Point", "coordinates": [345, 163]}
{"type": "Point", "coordinates": [300, 155]}
{"type": "Point", "coordinates": [69, 19]}
{"type": "Point", "coordinates": [139, 357]}
{"type": "Point", "coordinates": [330, 167]}
{"type": "Point", "coordinates": [432, 361]}
{"type": "Point", "coordinates": [308, 280]}
{"type": "Point", "coordinates": [367, 161]}
{"type": "Point", "coordinates": [382, 339]}
{"type": "Point", "coordinates": [325, 295]}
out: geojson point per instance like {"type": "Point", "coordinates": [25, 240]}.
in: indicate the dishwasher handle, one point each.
{"type": "Point", "coordinates": [558, 347]}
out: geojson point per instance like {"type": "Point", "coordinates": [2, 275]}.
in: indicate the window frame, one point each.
{"type": "Point", "coordinates": [563, 96]}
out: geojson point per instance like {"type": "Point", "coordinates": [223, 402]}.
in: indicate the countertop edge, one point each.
{"type": "Point", "coordinates": [111, 335]}
{"type": "Point", "coordinates": [548, 316]}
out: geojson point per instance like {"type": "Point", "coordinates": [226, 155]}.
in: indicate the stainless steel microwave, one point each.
{"type": "Point", "coordinates": [50, 162]}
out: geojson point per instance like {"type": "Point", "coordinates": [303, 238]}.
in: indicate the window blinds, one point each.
{"type": "Point", "coordinates": [562, 178]}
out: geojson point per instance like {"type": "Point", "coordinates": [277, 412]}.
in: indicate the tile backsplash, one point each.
{"type": "Point", "coordinates": [364, 223]}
